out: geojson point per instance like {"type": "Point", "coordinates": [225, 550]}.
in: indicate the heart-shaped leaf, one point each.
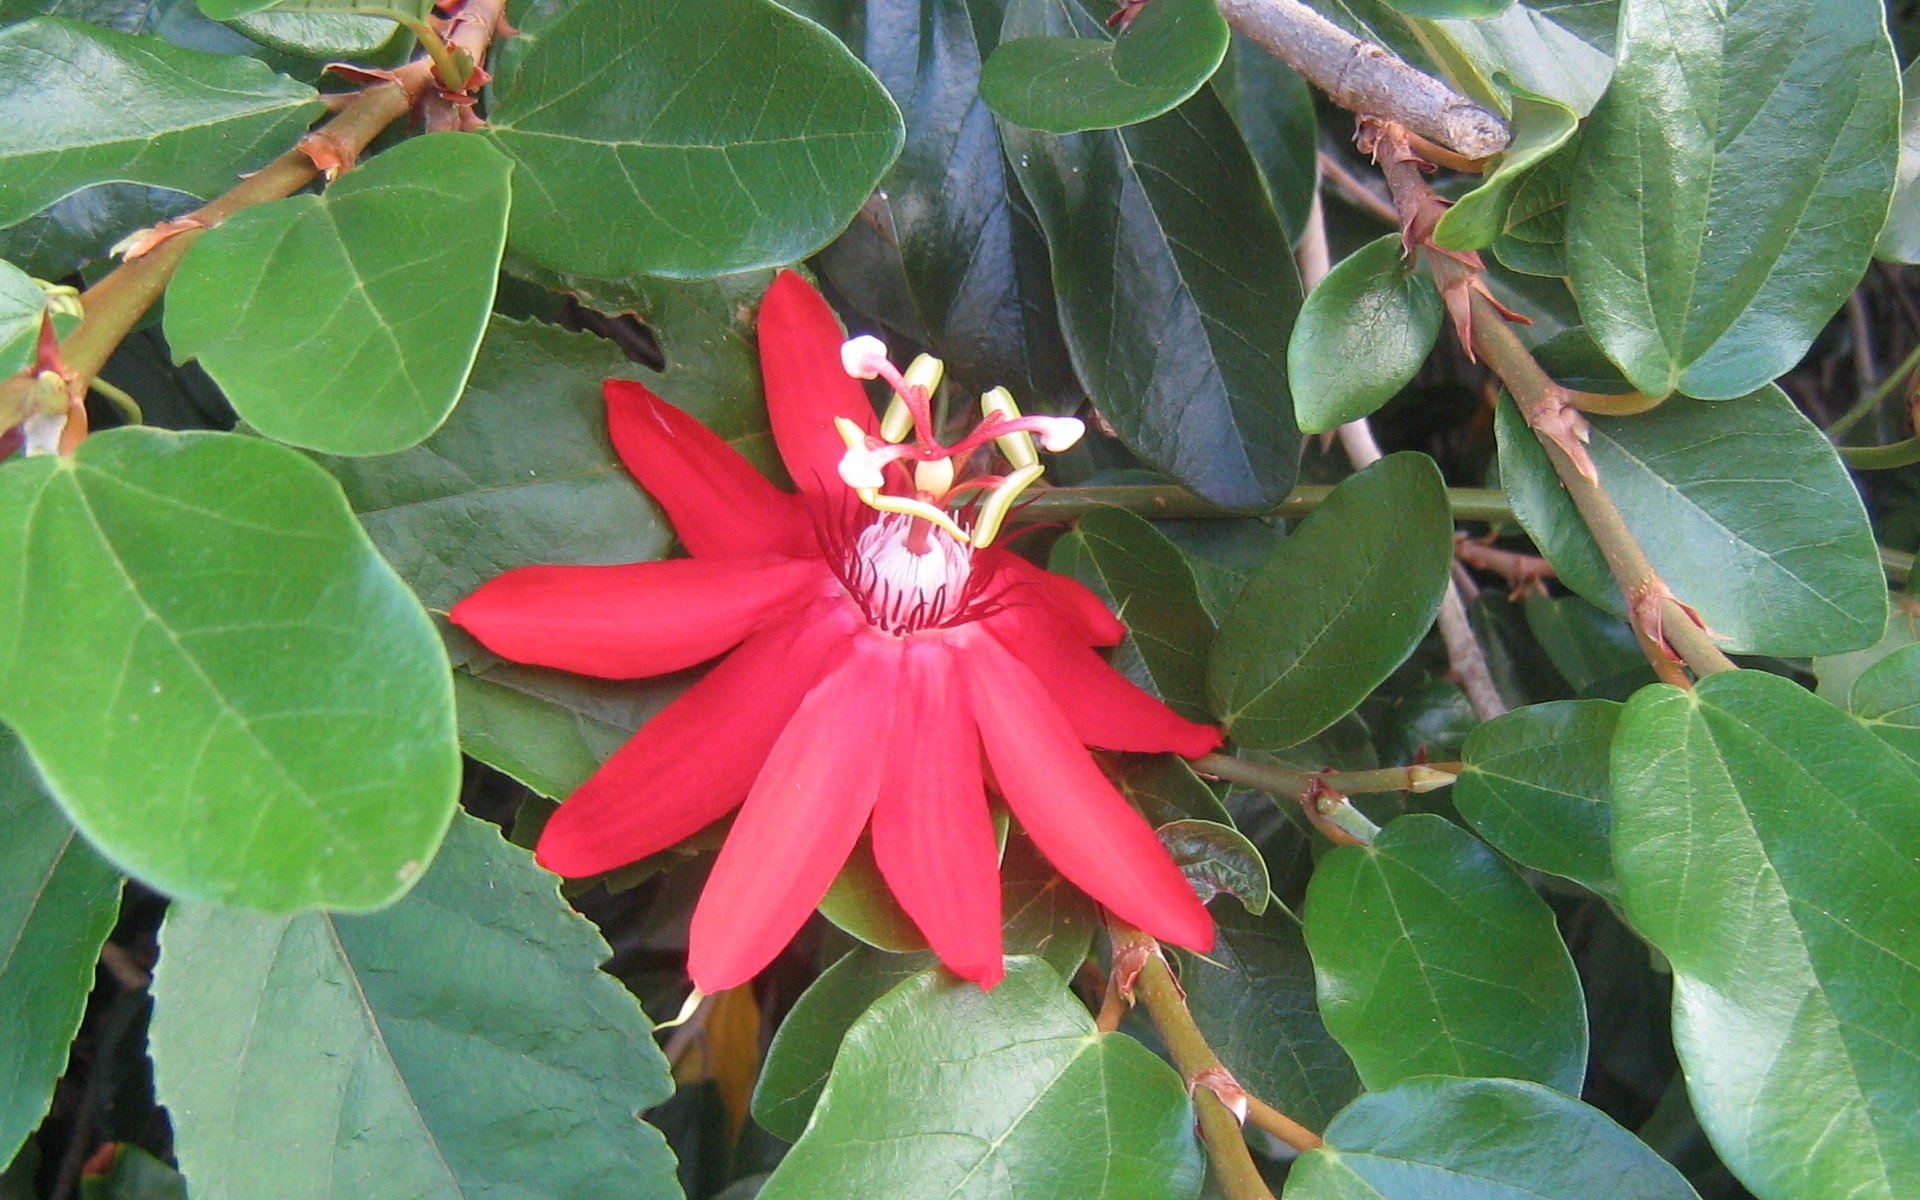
{"type": "Point", "coordinates": [1479, 1139]}
{"type": "Point", "coordinates": [707, 136]}
{"type": "Point", "coordinates": [1777, 119]}
{"type": "Point", "coordinates": [1769, 846]}
{"type": "Point", "coordinates": [58, 900]}
{"type": "Point", "coordinates": [1535, 786]}
{"type": "Point", "coordinates": [1165, 54]}
{"type": "Point", "coordinates": [347, 322]}
{"type": "Point", "coordinates": [941, 1089]}
{"type": "Point", "coordinates": [1777, 556]}
{"type": "Point", "coordinates": [1336, 607]}
{"type": "Point", "coordinates": [1434, 957]}
{"type": "Point", "coordinates": [64, 117]}
{"type": "Point", "coordinates": [342, 1056]}
{"type": "Point", "coordinates": [1361, 336]}
{"type": "Point", "coordinates": [225, 686]}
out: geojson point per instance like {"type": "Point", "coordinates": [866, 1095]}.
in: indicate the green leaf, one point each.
{"type": "Point", "coordinates": [1253, 997]}
{"type": "Point", "coordinates": [1073, 84]}
{"type": "Point", "coordinates": [809, 1037]}
{"type": "Point", "coordinates": [1535, 786]}
{"type": "Point", "coordinates": [227, 689]}
{"type": "Point", "coordinates": [460, 1043]}
{"type": "Point", "coordinates": [1361, 337]}
{"type": "Point", "coordinates": [1462, 9]}
{"type": "Point", "coordinates": [1776, 554]}
{"type": "Point", "coordinates": [1540, 127]}
{"type": "Point", "coordinates": [80, 228]}
{"type": "Point", "coordinates": [942, 1090]}
{"type": "Point", "coordinates": [134, 1175]}
{"type": "Point", "coordinates": [1336, 607]}
{"type": "Point", "coordinates": [1887, 698]}
{"type": "Point", "coordinates": [1176, 285]}
{"type": "Point", "coordinates": [1273, 107]}
{"type": "Point", "coordinates": [686, 137]}
{"type": "Point", "coordinates": [1769, 846]}
{"type": "Point", "coordinates": [1562, 49]}
{"type": "Point", "coordinates": [1533, 233]}
{"type": "Point", "coordinates": [971, 257]}
{"type": "Point", "coordinates": [1837, 673]}
{"type": "Point", "coordinates": [1899, 239]}
{"type": "Point", "coordinates": [1730, 186]}
{"type": "Point", "coordinates": [1164, 788]}
{"type": "Point", "coordinates": [1434, 957]}
{"type": "Point", "coordinates": [1594, 651]}
{"type": "Point", "coordinates": [1147, 581]}
{"type": "Point", "coordinates": [21, 305]}
{"type": "Point", "coordinates": [1479, 1139]}
{"type": "Point", "coordinates": [58, 901]}
{"type": "Point", "coordinates": [347, 322]}
{"type": "Point", "coordinates": [70, 93]}
{"type": "Point", "coordinates": [1217, 858]}
{"type": "Point", "coordinates": [329, 28]}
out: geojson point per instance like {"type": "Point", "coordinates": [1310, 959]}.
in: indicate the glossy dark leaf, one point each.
{"type": "Point", "coordinates": [1165, 54]}
{"type": "Point", "coordinates": [1362, 335]}
{"type": "Point", "coordinates": [942, 1090]}
{"type": "Point", "coordinates": [347, 1057]}
{"type": "Point", "coordinates": [58, 900]}
{"type": "Point", "coordinates": [1769, 846]}
{"type": "Point", "coordinates": [227, 689]}
{"type": "Point", "coordinates": [1218, 859]}
{"type": "Point", "coordinates": [1273, 107]}
{"type": "Point", "coordinates": [1434, 957]}
{"type": "Point", "coordinates": [713, 136]}
{"type": "Point", "coordinates": [1337, 607]}
{"type": "Point", "coordinates": [64, 91]}
{"type": "Point", "coordinates": [1535, 786]}
{"type": "Point", "coordinates": [1730, 187]}
{"type": "Point", "coordinates": [1778, 556]}
{"type": "Point", "coordinates": [1176, 286]}
{"type": "Point", "coordinates": [1479, 1139]}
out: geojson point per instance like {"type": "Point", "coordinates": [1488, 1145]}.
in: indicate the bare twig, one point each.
{"type": "Point", "coordinates": [1363, 78]}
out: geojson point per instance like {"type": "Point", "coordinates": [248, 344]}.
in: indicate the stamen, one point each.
{"type": "Point", "coordinates": [864, 357]}
{"type": "Point", "coordinates": [999, 502]}
{"type": "Point", "coordinates": [1018, 447]}
{"type": "Point", "coordinates": [914, 508]}
{"type": "Point", "coordinates": [934, 478]}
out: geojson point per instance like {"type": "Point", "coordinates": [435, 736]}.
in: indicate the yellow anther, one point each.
{"type": "Point", "coordinates": [896, 424]}
{"type": "Point", "coordinates": [914, 508]}
{"type": "Point", "coordinates": [999, 502]}
{"type": "Point", "coordinates": [926, 371]}
{"type": "Point", "coordinates": [1018, 447]}
{"type": "Point", "coordinates": [850, 433]}
{"type": "Point", "coordinates": [934, 478]}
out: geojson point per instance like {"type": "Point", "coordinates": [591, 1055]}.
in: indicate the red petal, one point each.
{"type": "Point", "coordinates": [800, 820]}
{"type": "Point", "coordinates": [1104, 707]}
{"type": "Point", "coordinates": [717, 502]}
{"type": "Point", "coordinates": [932, 835]}
{"type": "Point", "coordinates": [1069, 809]}
{"type": "Point", "coordinates": [694, 761]}
{"type": "Point", "coordinates": [633, 620]}
{"type": "Point", "coordinates": [1085, 615]}
{"type": "Point", "coordinates": [806, 386]}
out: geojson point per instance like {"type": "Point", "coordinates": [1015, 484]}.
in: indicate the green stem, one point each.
{"type": "Point", "coordinates": [1322, 794]}
{"type": "Point", "coordinates": [1883, 458]}
{"type": "Point", "coordinates": [128, 406]}
{"type": "Point", "coordinates": [446, 60]}
{"type": "Point", "coordinates": [1693, 643]}
{"type": "Point", "coordinates": [1170, 502]}
{"type": "Point", "coordinates": [1874, 399]}
{"type": "Point", "coordinates": [1601, 404]}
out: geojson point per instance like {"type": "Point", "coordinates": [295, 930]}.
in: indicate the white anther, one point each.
{"type": "Point", "coordinates": [1060, 433]}
{"type": "Point", "coordinates": [864, 356]}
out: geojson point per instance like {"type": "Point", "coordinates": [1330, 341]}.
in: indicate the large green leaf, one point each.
{"type": "Point", "coordinates": [1434, 957]}
{"type": "Point", "coordinates": [81, 228]}
{"type": "Point", "coordinates": [458, 1044]}
{"type": "Point", "coordinates": [1479, 1139]}
{"type": "Point", "coordinates": [347, 322]}
{"type": "Point", "coordinates": [1730, 186]}
{"type": "Point", "coordinates": [1336, 607]}
{"type": "Point", "coordinates": [709, 136]}
{"type": "Point", "coordinates": [227, 689]}
{"type": "Point", "coordinates": [1273, 106]}
{"type": "Point", "coordinates": [1557, 48]}
{"type": "Point", "coordinates": [1887, 698]}
{"type": "Point", "coordinates": [1769, 846]}
{"type": "Point", "coordinates": [81, 105]}
{"type": "Point", "coordinates": [1775, 551]}
{"type": "Point", "coordinates": [944, 1091]}
{"type": "Point", "coordinates": [1147, 581]}
{"type": "Point", "coordinates": [1362, 335]}
{"type": "Point", "coordinates": [1165, 54]}
{"type": "Point", "coordinates": [972, 260]}
{"type": "Point", "coordinates": [58, 900]}
{"type": "Point", "coordinates": [1176, 285]}
{"type": "Point", "coordinates": [1535, 786]}
{"type": "Point", "coordinates": [1253, 997]}
{"type": "Point", "coordinates": [1900, 237]}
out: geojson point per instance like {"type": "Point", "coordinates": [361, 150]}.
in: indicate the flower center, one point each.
{"type": "Point", "coordinates": [933, 492]}
{"type": "Point", "coordinates": [906, 580]}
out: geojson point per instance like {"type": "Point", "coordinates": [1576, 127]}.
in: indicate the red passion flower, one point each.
{"type": "Point", "coordinates": [883, 661]}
